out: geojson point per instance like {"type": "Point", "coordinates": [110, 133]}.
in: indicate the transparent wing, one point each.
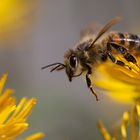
{"type": "Point", "coordinates": [91, 29]}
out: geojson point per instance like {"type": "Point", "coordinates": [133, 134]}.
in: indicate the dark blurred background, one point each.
{"type": "Point", "coordinates": [36, 33]}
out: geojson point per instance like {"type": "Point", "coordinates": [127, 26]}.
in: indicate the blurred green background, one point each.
{"type": "Point", "coordinates": [38, 33]}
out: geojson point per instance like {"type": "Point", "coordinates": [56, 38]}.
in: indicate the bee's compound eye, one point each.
{"type": "Point", "coordinates": [73, 61]}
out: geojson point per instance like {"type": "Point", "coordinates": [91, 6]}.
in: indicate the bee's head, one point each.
{"type": "Point", "coordinates": [71, 65]}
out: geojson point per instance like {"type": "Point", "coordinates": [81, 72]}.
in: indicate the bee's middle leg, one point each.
{"type": "Point", "coordinates": [89, 83]}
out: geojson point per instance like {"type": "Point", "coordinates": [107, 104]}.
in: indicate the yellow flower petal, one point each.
{"type": "Point", "coordinates": [35, 136]}
{"type": "Point", "coordinates": [138, 109]}
{"type": "Point", "coordinates": [27, 109]}
{"type": "Point", "coordinates": [19, 107]}
{"type": "Point", "coordinates": [138, 112]}
{"type": "Point", "coordinates": [2, 82]}
{"type": "Point", "coordinates": [124, 125]}
{"type": "Point", "coordinates": [104, 131]}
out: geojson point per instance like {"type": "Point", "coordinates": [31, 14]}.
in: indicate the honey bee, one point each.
{"type": "Point", "coordinates": [93, 51]}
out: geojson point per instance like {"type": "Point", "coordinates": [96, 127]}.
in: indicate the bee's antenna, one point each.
{"type": "Point", "coordinates": [59, 66]}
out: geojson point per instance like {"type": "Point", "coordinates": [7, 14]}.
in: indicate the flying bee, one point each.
{"type": "Point", "coordinates": [93, 51]}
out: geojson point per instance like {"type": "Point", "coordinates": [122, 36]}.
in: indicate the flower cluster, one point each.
{"type": "Point", "coordinates": [130, 119]}
{"type": "Point", "coordinates": [13, 117]}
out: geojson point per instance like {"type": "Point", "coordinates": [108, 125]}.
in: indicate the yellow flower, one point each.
{"type": "Point", "coordinates": [130, 119]}
{"type": "Point", "coordinates": [121, 83]}
{"type": "Point", "coordinates": [13, 117]}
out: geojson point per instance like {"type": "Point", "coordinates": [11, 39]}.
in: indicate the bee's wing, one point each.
{"type": "Point", "coordinates": [96, 28]}
{"type": "Point", "coordinates": [95, 31]}
{"type": "Point", "coordinates": [107, 26]}
{"type": "Point", "coordinates": [90, 30]}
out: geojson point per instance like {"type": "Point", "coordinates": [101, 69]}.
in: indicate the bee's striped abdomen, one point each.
{"type": "Point", "coordinates": [134, 41]}
{"type": "Point", "coordinates": [128, 40]}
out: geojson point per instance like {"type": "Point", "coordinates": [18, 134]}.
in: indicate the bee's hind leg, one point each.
{"type": "Point", "coordinates": [128, 57]}
{"type": "Point", "coordinates": [118, 62]}
{"type": "Point", "coordinates": [89, 83]}
{"type": "Point", "coordinates": [112, 58]}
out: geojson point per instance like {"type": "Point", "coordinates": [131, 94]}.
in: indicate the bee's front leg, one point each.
{"type": "Point", "coordinates": [89, 83]}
